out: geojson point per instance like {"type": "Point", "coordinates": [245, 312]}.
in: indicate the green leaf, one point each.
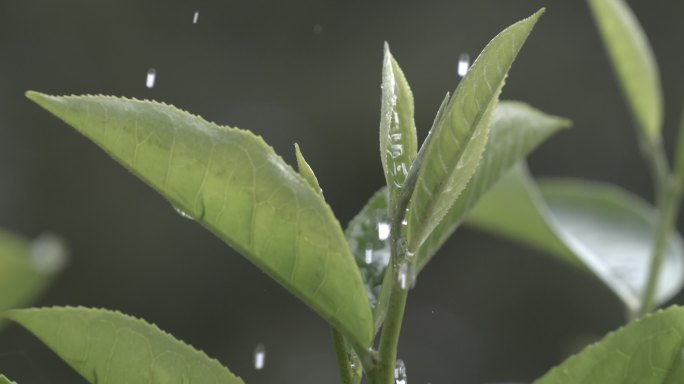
{"type": "Point", "coordinates": [516, 130]}
{"type": "Point", "coordinates": [306, 171]}
{"type": "Point", "coordinates": [5, 380]}
{"type": "Point", "coordinates": [604, 228]}
{"type": "Point", "coordinates": [235, 185]}
{"type": "Point", "coordinates": [645, 351]}
{"type": "Point", "coordinates": [633, 62]}
{"type": "Point", "coordinates": [398, 142]}
{"type": "Point", "coordinates": [27, 268]}
{"type": "Point", "coordinates": [110, 347]}
{"type": "Point", "coordinates": [679, 155]}
{"type": "Point", "coordinates": [459, 138]}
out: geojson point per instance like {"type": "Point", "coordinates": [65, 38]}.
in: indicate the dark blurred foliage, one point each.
{"type": "Point", "coordinates": [308, 72]}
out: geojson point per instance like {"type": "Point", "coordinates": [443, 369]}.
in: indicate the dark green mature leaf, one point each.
{"type": "Point", "coordinates": [27, 268]}
{"type": "Point", "coordinates": [602, 227]}
{"type": "Point", "coordinates": [398, 142]}
{"type": "Point", "coordinates": [5, 380]}
{"type": "Point", "coordinates": [235, 185]}
{"type": "Point", "coordinates": [110, 347]}
{"type": "Point", "coordinates": [645, 351]}
{"type": "Point", "coordinates": [459, 140]}
{"type": "Point", "coordinates": [516, 130]}
{"type": "Point", "coordinates": [633, 61]}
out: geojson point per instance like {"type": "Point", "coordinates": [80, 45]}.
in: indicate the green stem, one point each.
{"type": "Point", "coordinates": [668, 206]}
{"type": "Point", "coordinates": [342, 357]}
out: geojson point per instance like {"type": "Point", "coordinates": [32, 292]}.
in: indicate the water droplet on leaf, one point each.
{"type": "Point", "coordinates": [259, 357]}
{"type": "Point", "coordinates": [182, 213]}
{"type": "Point", "coordinates": [403, 276]}
{"type": "Point", "coordinates": [400, 372]}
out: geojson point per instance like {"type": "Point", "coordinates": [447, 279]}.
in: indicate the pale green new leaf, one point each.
{"type": "Point", "coordinates": [604, 228]}
{"type": "Point", "coordinates": [679, 155]}
{"type": "Point", "coordinates": [398, 142]}
{"type": "Point", "coordinates": [633, 62]}
{"type": "Point", "coordinates": [27, 267]}
{"type": "Point", "coordinates": [107, 347]}
{"type": "Point", "coordinates": [306, 171]}
{"type": "Point", "coordinates": [645, 351]}
{"type": "Point", "coordinates": [516, 130]}
{"type": "Point", "coordinates": [235, 185]}
{"type": "Point", "coordinates": [5, 380]}
{"type": "Point", "coordinates": [459, 139]}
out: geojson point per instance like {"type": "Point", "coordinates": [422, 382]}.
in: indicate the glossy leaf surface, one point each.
{"type": "Point", "coordinates": [633, 61]}
{"type": "Point", "coordinates": [107, 347]}
{"type": "Point", "coordinates": [27, 267]}
{"type": "Point", "coordinates": [516, 130]}
{"type": "Point", "coordinates": [605, 228]}
{"type": "Point", "coordinates": [459, 139]}
{"type": "Point", "coordinates": [235, 185]}
{"type": "Point", "coordinates": [398, 142]}
{"type": "Point", "coordinates": [645, 351]}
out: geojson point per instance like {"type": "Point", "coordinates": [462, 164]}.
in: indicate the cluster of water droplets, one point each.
{"type": "Point", "coordinates": [183, 214]}
{"type": "Point", "coordinates": [400, 372]}
{"type": "Point", "coordinates": [259, 357]}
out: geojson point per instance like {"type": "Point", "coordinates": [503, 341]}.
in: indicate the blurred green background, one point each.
{"type": "Point", "coordinates": [485, 310]}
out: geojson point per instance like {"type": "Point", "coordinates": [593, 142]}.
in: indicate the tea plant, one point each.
{"type": "Point", "coordinates": [467, 170]}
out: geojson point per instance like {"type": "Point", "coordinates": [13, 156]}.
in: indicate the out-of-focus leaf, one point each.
{"type": "Point", "coordinates": [459, 139]}
{"type": "Point", "coordinates": [645, 351]}
{"type": "Point", "coordinates": [516, 130]}
{"type": "Point", "coordinates": [5, 380]}
{"type": "Point", "coordinates": [633, 61]}
{"type": "Point", "coordinates": [27, 267]}
{"type": "Point", "coordinates": [110, 347]}
{"type": "Point", "coordinates": [398, 142]}
{"type": "Point", "coordinates": [679, 154]}
{"type": "Point", "coordinates": [602, 227]}
{"type": "Point", "coordinates": [235, 185]}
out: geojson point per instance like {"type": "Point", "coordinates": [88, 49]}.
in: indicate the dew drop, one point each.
{"type": "Point", "coordinates": [259, 357]}
{"type": "Point", "coordinates": [400, 372]}
{"type": "Point", "coordinates": [182, 213]}
{"type": "Point", "coordinates": [195, 17]}
{"type": "Point", "coordinates": [317, 29]}
{"type": "Point", "coordinates": [151, 78]}
{"type": "Point", "coordinates": [463, 64]}
{"type": "Point", "coordinates": [403, 276]}
{"type": "Point", "coordinates": [47, 254]}
{"type": "Point", "coordinates": [369, 255]}
{"type": "Point", "coordinates": [383, 231]}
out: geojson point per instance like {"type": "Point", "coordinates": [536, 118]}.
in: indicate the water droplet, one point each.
{"type": "Point", "coordinates": [259, 357]}
{"type": "Point", "coordinates": [47, 254]}
{"type": "Point", "coordinates": [403, 276]}
{"type": "Point", "coordinates": [404, 222]}
{"type": "Point", "coordinates": [151, 78]}
{"type": "Point", "coordinates": [396, 150]}
{"type": "Point", "coordinates": [400, 372]}
{"type": "Point", "coordinates": [369, 254]}
{"type": "Point", "coordinates": [182, 213]}
{"type": "Point", "coordinates": [195, 17]}
{"type": "Point", "coordinates": [383, 231]}
{"type": "Point", "coordinates": [463, 64]}
{"type": "Point", "coordinates": [317, 29]}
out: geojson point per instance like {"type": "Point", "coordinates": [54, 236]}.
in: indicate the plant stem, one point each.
{"type": "Point", "coordinates": [342, 356]}
{"type": "Point", "coordinates": [668, 206]}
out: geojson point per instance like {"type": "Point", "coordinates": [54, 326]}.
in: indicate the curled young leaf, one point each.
{"type": "Point", "coordinates": [110, 347]}
{"type": "Point", "coordinates": [459, 139]}
{"type": "Point", "coordinates": [235, 185]}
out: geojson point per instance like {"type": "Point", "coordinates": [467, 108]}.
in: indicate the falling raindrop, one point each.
{"type": "Point", "coordinates": [369, 254]}
{"type": "Point", "coordinates": [317, 29]}
{"type": "Point", "coordinates": [195, 17]}
{"type": "Point", "coordinates": [47, 254]}
{"type": "Point", "coordinates": [259, 357]}
{"type": "Point", "coordinates": [400, 372]}
{"type": "Point", "coordinates": [151, 78]}
{"type": "Point", "coordinates": [463, 64]}
{"type": "Point", "coordinates": [182, 213]}
{"type": "Point", "coordinates": [383, 231]}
